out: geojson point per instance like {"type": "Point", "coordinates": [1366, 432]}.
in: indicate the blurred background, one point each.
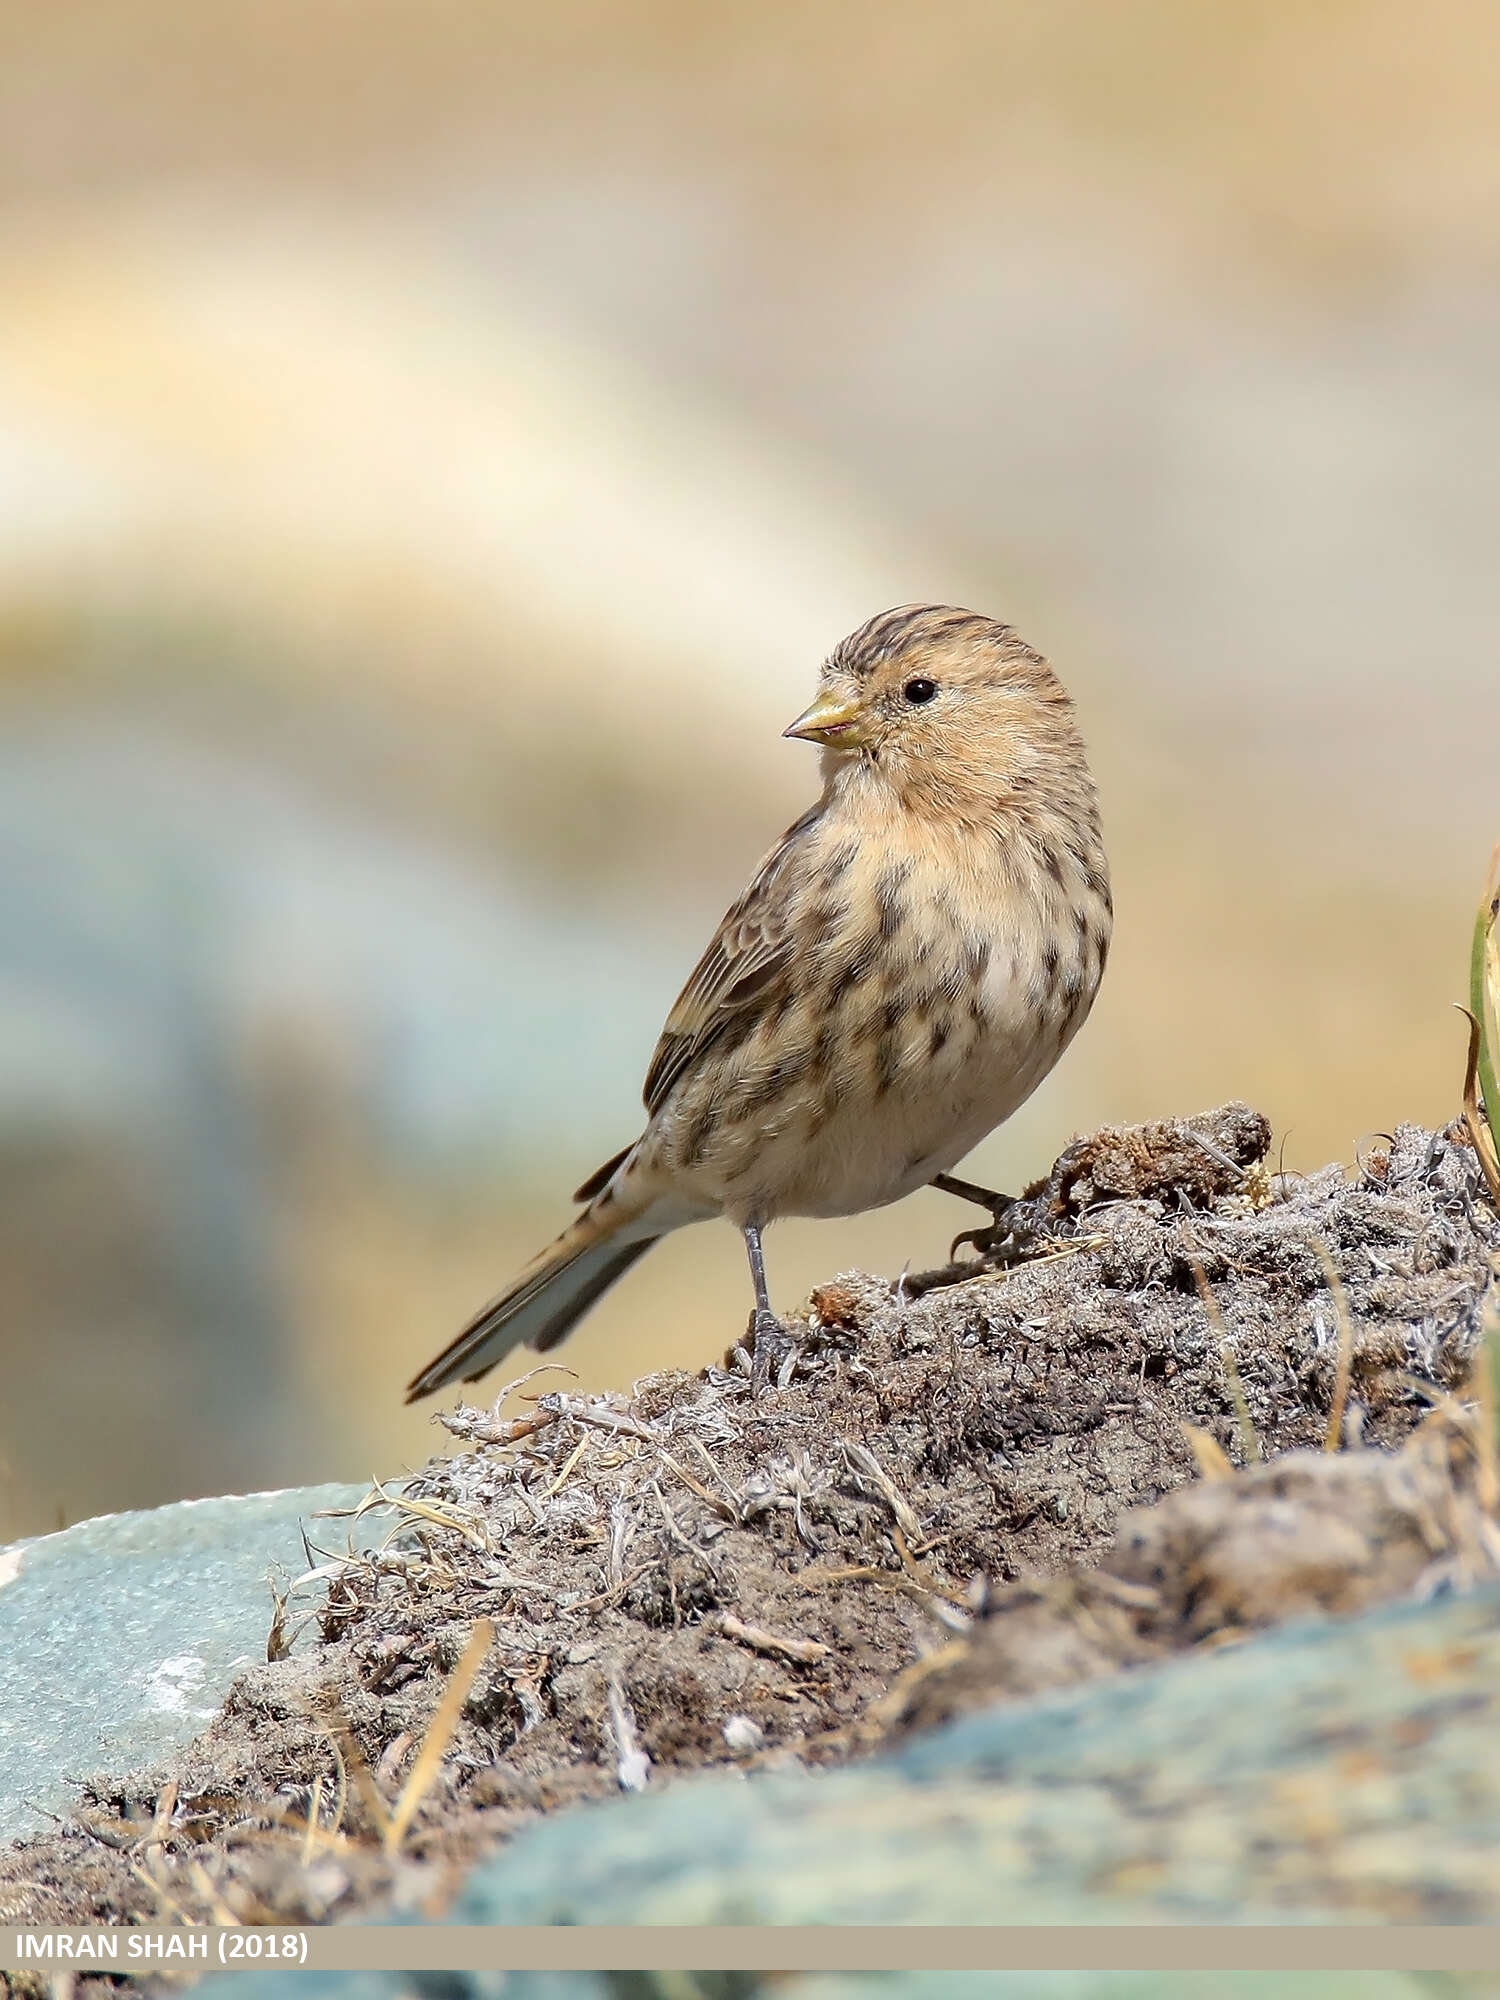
{"type": "Point", "coordinates": [438, 443]}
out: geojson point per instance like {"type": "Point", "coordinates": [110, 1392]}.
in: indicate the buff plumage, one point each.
{"type": "Point", "coordinates": [907, 964]}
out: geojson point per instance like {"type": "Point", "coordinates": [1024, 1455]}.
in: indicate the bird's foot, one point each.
{"type": "Point", "coordinates": [773, 1350]}
{"type": "Point", "coordinates": [1012, 1227]}
{"type": "Point", "coordinates": [1010, 1238]}
{"type": "Point", "coordinates": [1020, 1225]}
{"type": "Point", "coordinates": [1013, 1236]}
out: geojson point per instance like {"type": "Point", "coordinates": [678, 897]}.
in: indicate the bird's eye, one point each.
{"type": "Point", "coordinates": [919, 691]}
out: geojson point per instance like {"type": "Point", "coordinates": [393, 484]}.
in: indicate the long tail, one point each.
{"type": "Point", "coordinates": [544, 1303]}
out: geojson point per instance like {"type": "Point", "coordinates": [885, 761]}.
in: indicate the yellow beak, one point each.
{"type": "Point", "coordinates": [832, 719]}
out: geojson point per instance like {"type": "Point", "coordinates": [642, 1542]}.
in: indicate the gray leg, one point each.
{"type": "Point", "coordinates": [757, 1256]}
{"type": "Point", "coordinates": [771, 1341]}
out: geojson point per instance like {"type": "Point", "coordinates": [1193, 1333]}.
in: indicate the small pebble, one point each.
{"type": "Point", "coordinates": [742, 1735]}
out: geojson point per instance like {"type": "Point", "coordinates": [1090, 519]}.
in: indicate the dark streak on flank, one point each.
{"type": "Point", "coordinates": [780, 1008]}
{"type": "Point", "coordinates": [825, 916]}
{"type": "Point", "coordinates": [856, 968]}
{"type": "Point", "coordinates": [889, 901]}
{"type": "Point", "coordinates": [887, 1064]}
{"type": "Point", "coordinates": [1051, 961]}
{"type": "Point", "coordinates": [836, 1088]}
{"type": "Point", "coordinates": [844, 984]}
{"type": "Point", "coordinates": [698, 1135]}
{"type": "Point", "coordinates": [776, 1081]}
{"type": "Point", "coordinates": [837, 863]}
{"type": "Point", "coordinates": [824, 1049]}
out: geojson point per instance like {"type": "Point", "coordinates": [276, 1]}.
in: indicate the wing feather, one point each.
{"type": "Point", "coordinates": [743, 967]}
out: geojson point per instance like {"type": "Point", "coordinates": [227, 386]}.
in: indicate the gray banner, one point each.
{"type": "Point", "coordinates": [831, 1948]}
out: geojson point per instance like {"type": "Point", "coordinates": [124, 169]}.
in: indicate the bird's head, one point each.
{"type": "Point", "coordinates": [942, 702]}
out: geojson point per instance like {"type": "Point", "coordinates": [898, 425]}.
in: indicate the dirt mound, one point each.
{"type": "Point", "coordinates": [1207, 1565]}
{"type": "Point", "coordinates": [922, 1515]}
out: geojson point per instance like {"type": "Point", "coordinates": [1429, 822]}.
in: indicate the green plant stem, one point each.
{"type": "Point", "coordinates": [1484, 1002]}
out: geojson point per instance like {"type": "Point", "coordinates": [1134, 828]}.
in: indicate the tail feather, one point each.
{"type": "Point", "coordinates": [539, 1309]}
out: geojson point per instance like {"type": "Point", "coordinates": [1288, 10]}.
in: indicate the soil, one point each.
{"type": "Point", "coordinates": [1019, 1477]}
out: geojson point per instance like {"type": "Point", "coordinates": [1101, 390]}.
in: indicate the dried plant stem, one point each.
{"type": "Point", "coordinates": [1333, 1436]}
{"type": "Point", "coordinates": [1208, 1454]}
{"type": "Point", "coordinates": [310, 1841]}
{"type": "Point", "coordinates": [440, 1729]}
{"type": "Point", "coordinates": [807, 1651]}
{"type": "Point", "coordinates": [1248, 1438]}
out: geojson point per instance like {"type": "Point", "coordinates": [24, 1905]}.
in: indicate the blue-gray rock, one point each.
{"type": "Point", "coordinates": [119, 1637]}
{"type": "Point", "coordinates": [1334, 1771]}
{"type": "Point", "coordinates": [1328, 1771]}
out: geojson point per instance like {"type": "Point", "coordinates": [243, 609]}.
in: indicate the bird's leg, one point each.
{"type": "Point", "coordinates": [971, 1191]}
{"type": "Point", "coordinates": [1006, 1210]}
{"type": "Point", "coordinates": [770, 1339]}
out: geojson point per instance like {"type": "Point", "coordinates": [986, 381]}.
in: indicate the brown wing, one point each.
{"type": "Point", "coordinates": [742, 966]}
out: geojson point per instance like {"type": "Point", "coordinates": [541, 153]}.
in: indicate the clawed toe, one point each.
{"type": "Point", "coordinates": [1007, 1240]}
{"type": "Point", "coordinates": [772, 1347]}
{"type": "Point", "coordinates": [980, 1241]}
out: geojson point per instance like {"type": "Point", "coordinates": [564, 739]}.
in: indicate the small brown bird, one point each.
{"type": "Point", "coordinates": [907, 964]}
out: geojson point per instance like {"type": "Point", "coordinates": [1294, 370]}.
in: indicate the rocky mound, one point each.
{"type": "Point", "coordinates": [992, 1480]}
